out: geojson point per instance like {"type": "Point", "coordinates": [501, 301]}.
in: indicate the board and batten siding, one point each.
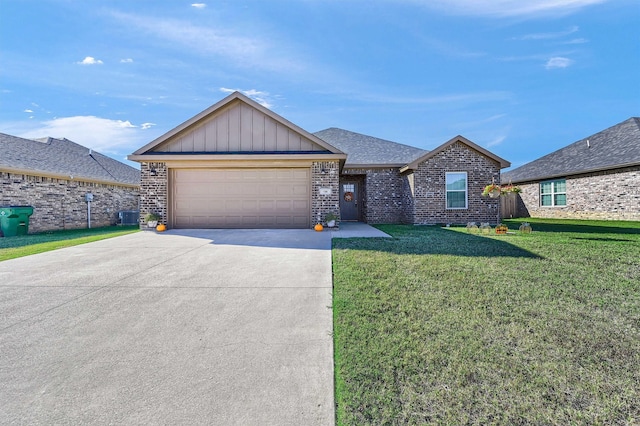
{"type": "Point", "coordinates": [240, 128]}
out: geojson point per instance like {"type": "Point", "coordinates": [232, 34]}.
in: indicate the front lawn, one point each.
{"type": "Point", "coordinates": [439, 326]}
{"type": "Point", "coordinates": [25, 245]}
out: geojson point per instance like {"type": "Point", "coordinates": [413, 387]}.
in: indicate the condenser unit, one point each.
{"type": "Point", "coordinates": [128, 217]}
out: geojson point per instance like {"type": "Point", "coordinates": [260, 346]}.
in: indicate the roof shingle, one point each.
{"type": "Point", "coordinates": [65, 158]}
{"type": "Point", "coordinates": [368, 150]}
{"type": "Point", "coordinates": [615, 147]}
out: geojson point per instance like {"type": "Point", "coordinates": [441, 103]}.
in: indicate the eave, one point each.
{"type": "Point", "coordinates": [69, 177]}
{"type": "Point", "coordinates": [576, 173]}
{"type": "Point", "coordinates": [162, 157]}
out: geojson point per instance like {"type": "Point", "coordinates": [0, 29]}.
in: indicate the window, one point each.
{"type": "Point", "coordinates": [456, 184]}
{"type": "Point", "coordinates": [553, 193]}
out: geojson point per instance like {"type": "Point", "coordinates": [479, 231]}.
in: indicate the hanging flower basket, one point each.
{"type": "Point", "coordinates": [492, 190]}
{"type": "Point", "coordinates": [510, 189]}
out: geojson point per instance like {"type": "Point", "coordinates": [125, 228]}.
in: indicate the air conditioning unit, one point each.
{"type": "Point", "coordinates": [128, 217]}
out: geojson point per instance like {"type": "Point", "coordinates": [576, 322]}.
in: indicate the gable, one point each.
{"type": "Point", "coordinates": [239, 128]}
{"type": "Point", "coordinates": [447, 146]}
{"type": "Point", "coordinates": [236, 125]}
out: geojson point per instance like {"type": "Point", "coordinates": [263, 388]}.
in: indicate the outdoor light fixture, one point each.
{"type": "Point", "coordinates": [153, 172]}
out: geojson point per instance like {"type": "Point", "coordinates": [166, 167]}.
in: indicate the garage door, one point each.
{"type": "Point", "coordinates": [241, 198]}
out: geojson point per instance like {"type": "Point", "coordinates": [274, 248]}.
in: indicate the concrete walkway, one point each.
{"type": "Point", "coordinates": [357, 230]}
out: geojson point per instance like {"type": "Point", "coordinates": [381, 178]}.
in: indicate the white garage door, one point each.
{"type": "Point", "coordinates": [241, 198]}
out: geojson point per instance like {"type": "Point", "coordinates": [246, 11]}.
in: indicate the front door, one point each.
{"type": "Point", "coordinates": [349, 200]}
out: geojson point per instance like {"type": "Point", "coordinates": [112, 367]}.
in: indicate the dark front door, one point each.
{"type": "Point", "coordinates": [349, 200]}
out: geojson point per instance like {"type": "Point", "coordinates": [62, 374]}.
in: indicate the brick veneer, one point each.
{"type": "Point", "coordinates": [382, 195]}
{"type": "Point", "coordinates": [324, 174]}
{"type": "Point", "coordinates": [60, 203]}
{"type": "Point", "coordinates": [609, 195]}
{"type": "Point", "coordinates": [154, 186]}
{"type": "Point", "coordinates": [429, 205]}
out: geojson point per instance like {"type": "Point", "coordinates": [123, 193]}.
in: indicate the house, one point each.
{"type": "Point", "coordinates": [597, 177]}
{"type": "Point", "coordinates": [54, 176]}
{"type": "Point", "coordinates": [238, 164]}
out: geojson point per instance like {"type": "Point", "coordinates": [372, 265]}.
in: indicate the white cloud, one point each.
{"type": "Point", "coordinates": [546, 36]}
{"type": "Point", "coordinates": [260, 97]}
{"type": "Point", "coordinates": [558, 62]}
{"type": "Point", "coordinates": [452, 98]}
{"type": "Point", "coordinates": [101, 134]}
{"type": "Point", "coordinates": [219, 40]}
{"type": "Point", "coordinates": [28, 110]}
{"type": "Point", "coordinates": [577, 41]}
{"type": "Point", "coordinates": [199, 5]}
{"type": "Point", "coordinates": [89, 60]}
{"type": "Point", "coordinates": [508, 8]}
{"type": "Point", "coordinates": [145, 126]}
{"type": "Point", "coordinates": [496, 141]}
{"type": "Point", "coordinates": [126, 61]}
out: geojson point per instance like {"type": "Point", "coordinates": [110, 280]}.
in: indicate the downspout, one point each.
{"type": "Point", "coordinates": [89, 198]}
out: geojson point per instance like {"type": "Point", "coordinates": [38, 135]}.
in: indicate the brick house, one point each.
{"type": "Point", "coordinates": [55, 175]}
{"type": "Point", "coordinates": [597, 177]}
{"type": "Point", "coordinates": [240, 165]}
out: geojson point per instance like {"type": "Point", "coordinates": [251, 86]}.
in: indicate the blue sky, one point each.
{"type": "Point", "coordinates": [521, 78]}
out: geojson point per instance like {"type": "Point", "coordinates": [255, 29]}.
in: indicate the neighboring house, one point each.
{"type": "Point", "coordinates": [55, 175]}
{"type": "Point", "coordinates": [239, 165]}
{"type": "Point", "coordinates": [597, 177]}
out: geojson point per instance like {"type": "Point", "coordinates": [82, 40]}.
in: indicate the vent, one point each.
{"type": "Point", "coordinates": [128, 217]}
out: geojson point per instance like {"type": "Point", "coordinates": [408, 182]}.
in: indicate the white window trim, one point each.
{"type": "Point", "coordinates": [466, 191]}
{"type": "Point", "coordinates": [553, 193]}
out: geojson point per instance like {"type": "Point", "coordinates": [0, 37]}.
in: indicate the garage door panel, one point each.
{"type": "Point", "coordinates": [241, 198]}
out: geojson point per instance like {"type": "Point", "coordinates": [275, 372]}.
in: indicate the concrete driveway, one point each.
{"type": "Point", "coordinates": [184, 327]}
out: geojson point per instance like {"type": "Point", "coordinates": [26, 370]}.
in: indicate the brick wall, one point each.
{"type": "Point", "coordinates": [430, 192]}
{"type": "Point", "coordinates": [60, 203]}
{"type": "Point", "coordinates": [383, 195]}
{"type": "Point", "coordinates": [154, 186]}
{"type": "Point", "coordinates": [324, 174]}
{"type": "Point", "coordinates": [408, 199]}
{"type": "Point", "coordinates": [602, 195]}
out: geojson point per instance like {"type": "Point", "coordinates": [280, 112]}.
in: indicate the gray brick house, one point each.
{"type": "Point", "coordinates": [240, 165]}
{"type": "Point", "coordinates": [55, 175]}
{"type": "Point", "coordinates": [597, 177]}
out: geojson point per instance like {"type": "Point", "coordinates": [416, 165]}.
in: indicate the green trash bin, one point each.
{"type": "Point", "coordinates": [14, 220]}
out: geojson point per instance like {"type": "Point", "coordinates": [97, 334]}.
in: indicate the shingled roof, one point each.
{"type": "Point", "coordinates": [62, 158]}
{"type": "Point", "coordinates": [367, 151]}
{"type": "Point", "coordinates": [612, 148]}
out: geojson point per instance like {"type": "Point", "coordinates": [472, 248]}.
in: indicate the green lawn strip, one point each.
{"type": "Point", "coordinates": [19, 246]}
{"type": "Point", "coordinates": [439, 326]}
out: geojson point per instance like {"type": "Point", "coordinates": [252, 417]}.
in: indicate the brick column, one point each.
{"type": "Point", "coordinates": [325, 190]}
{"type": "Point", "coordinates": [153, 191]}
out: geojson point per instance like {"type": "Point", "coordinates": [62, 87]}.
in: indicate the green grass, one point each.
{"type": "Point", "coordinates": [438, 326]}
{"type": "Point", "coordinates": [13, 247]}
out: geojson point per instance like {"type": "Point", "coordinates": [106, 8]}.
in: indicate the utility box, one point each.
{"type": "Point", "coordinates": [128, 217]}
{"type": "Point", "coordinates": [14, 220]}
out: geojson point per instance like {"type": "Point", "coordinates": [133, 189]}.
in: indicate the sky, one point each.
{"type": "Point", "coordinates": [520, 78]}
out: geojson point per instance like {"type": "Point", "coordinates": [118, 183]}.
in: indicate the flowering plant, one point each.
{"type": "Point", "coordinates": [490, 188]}
{"type": "Point", "coordinates": [510, 188]}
